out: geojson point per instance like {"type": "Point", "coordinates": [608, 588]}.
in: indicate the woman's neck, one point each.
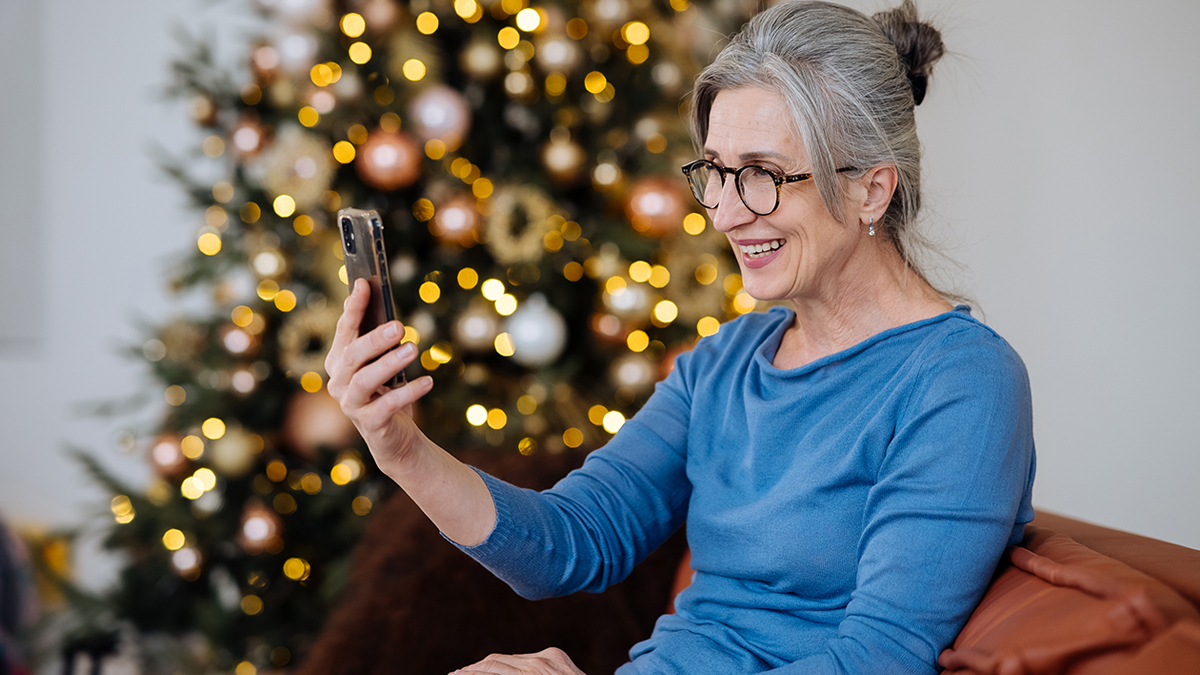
{"type": "Point", "coordinates": [879, 295]}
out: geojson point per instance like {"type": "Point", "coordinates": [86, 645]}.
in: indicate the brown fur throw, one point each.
{"type": "Point", "coordinates": [417, 605]}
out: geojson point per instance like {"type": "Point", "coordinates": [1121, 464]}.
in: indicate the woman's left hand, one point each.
{"type": "Point", "coordinates": [552, 661]}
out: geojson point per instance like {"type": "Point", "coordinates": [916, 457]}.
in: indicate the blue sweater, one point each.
{"type": "Point", "coordinates": [843, 517]}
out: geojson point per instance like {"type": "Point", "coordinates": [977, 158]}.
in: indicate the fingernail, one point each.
{"type": "Point", "coordinates": [426, 381]}
{"type": "Point", "coordinates": [392, 330]}
{"type": "Point", "coordinates": [410, 348]}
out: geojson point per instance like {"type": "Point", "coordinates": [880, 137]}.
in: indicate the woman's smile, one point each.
{"type": "Point", "coordinates": [758, 253]}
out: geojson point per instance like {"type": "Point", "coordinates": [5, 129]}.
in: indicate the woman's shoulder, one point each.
{"type": "Point", "coordinates": [962, 344]}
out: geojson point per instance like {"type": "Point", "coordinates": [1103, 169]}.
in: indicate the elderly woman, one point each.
{"type": "Point", "coordinates": [850, 467]}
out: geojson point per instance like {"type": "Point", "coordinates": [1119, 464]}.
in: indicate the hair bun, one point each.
{"type": "Point", "coordinates": [918, 44]}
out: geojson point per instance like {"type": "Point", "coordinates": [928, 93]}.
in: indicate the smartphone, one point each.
{"type": "Point", "coordinates": [362, 244]}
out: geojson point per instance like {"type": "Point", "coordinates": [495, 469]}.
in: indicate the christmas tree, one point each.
{"type": "Point", "coordinates": [545, 255]}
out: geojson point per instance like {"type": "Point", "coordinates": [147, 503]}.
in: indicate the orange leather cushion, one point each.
{"type": "Point", "coordinates": [1062, 609]}
{"type": "Point", "coordinates": [1175, 651]}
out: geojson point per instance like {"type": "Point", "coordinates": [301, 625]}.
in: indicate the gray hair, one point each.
{"type": "Point", "coordinates": [851, 82]}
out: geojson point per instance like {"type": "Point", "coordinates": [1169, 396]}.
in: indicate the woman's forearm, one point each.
{"type": "Point", "coordinates": [449, 492]}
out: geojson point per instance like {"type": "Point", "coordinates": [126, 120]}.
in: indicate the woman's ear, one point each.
{"type": "Point", "coordinates": [880, 182]}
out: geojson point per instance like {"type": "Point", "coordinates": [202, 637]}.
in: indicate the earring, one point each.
{"type": "Point", "coordinates": [871, 229]}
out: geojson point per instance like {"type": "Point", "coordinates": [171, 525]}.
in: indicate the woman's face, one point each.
{"type": "Point", "coordinates": [807, 250]}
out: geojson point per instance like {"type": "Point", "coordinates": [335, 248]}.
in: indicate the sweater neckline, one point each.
{"type": "Point", "coordinates": [765, 353]}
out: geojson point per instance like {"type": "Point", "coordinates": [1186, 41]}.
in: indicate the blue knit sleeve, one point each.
{"type": "Point", "coordinates": [953, 491]}
{"type": "Point", "coordinates": [589, 530]}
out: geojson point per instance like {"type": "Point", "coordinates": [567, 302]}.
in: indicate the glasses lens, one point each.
{"type": "Point", "coordinates": [757, 188]}
{"type": "Point", "coordinates": [706, 184]}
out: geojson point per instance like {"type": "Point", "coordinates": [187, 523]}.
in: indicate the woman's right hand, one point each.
{"type": "Point", "coordinates": [358, 369]}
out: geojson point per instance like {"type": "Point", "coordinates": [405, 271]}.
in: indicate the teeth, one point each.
{"type": "Point", "coordinates": [759, 249]}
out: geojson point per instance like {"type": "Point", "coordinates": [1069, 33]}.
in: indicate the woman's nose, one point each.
{"type": "Point", "coordinates": [731, 211]}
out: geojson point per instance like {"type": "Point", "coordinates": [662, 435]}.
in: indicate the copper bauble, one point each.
{"type": "Point", "coordinates": [656, 206]}
{"type": "Point", "coordinates": [260, 529]}
{"type": "Point", "coordinates": [166, 456]}
{"type": "Point", "coordinates": [456, 221]}
{"type": "Point", "coordinates": [315, 420]}
{"type": "Point", "coordinates": [389, 160]}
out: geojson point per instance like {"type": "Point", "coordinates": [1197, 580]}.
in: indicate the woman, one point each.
{"type": "Point", "coordinates": [850, 468]}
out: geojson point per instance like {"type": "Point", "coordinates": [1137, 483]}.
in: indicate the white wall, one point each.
{"type": "Point", "coordinates": [1059, 143]}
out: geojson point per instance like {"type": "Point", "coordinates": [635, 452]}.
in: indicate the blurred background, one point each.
{"type": "Point", "coordinates": [1059, 142]}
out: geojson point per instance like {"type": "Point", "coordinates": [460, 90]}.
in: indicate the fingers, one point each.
{"type": "Point", "coordinates": [378, 413]}
{"type": "Point", "coordinates": [552, 661]}
{"type": "Point", "coordinates": [366, 381]}
{"type": "Point", "coordinates": [352, 314]}
{"type": "Point", "coordinates": [349, 352]}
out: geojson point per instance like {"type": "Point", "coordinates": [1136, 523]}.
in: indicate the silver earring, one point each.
{"type": "Point", "coordinates": [871, 229]}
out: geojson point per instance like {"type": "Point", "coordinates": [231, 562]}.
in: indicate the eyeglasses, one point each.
{"type": "Point", "coordinates": [757, 186]}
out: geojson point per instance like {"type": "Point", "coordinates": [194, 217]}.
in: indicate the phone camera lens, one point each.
{"type": "Point", "coordinates": [347, 235]}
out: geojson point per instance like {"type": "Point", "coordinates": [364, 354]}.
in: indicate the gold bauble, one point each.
{"type": "Point", "coordinates": [389, 160]}
{"type": "Point", "coordinates": [564, 160]}
{"type": "Point", "coordinates": [481, 60]}
{"type": "Point", "coordinates": [234, 453]}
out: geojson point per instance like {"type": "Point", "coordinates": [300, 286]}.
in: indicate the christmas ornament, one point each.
{"type": "Point", "coordinates": [166, 457]}
{"type": "Point", "coordinates": [608, 328]}
{"type": "Point", "coordinates": [260, 529]}
{"type": "Point", "coordinates": [557, 54]}
{"type": "Point", "coordinates": [389, 161]}
{"type": "Point", "coordinates": [300, 165]}
{"type": "Point", "coordinates": [183, 340]}
{"type": "Point", "coordinates": [456, 221]}
{"type": "Point", "coordinates": [306, 337]}
{"type": "Point", "coordinates": [685, 255]}
{"type": "Point", "coordinates": [297, 51]}
{"type": "Point", "coordinates": [476, 328]}
{"type": "Point", "coordinates": [248, 137]}
{"type": "Point", "coordinates": [204, 110]}
{"type": "Point", "coordinates": [403, 268]}
{"type": "Point", "coordinates": [235, 453]}
{"type": "Point", "coordinates": [509, 206]}
{"type": "Point", "coordinates": [315, 420]}
{"type": "Point", "coordinates": [238, 341]}
{"type": "Point", "coordinates": [264, 63]}
{"type": "Point", "coordinates": [609, 12]}
{"type": "Point", "coordinates": [656, 206]}
{"type": "Point", "coordinates": [628, 300]}
{"type": "Point", "coordinates": [634, 371]}
{"type": "Point", "coordinates": [349, 87]}
{"type": "Point", "coordinates": [538, 332]}
{"type": "Point", "coordinates": [380, 15]}
{"type": "Point", "coordinates": [298, 11]}
{"type": "Point", "coordinates": [440, 112]}
{"type": "Point", "coordinates": [562, 157]}
{"type": "Point", "coordinates": [481, 60]}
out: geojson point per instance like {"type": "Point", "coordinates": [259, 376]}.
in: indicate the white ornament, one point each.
{"type": "Point", "coordinates": [538, 332]}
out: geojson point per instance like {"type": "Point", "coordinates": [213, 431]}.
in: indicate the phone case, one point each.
{"type": "Point", "coordinates": [362, 245]}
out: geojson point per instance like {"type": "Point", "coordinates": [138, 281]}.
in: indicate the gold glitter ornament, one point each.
{"type": "Point", "coordinates": [684, 254]}
{"type": "Point", "coordinates": [305, 338]}
{"type": "Point", "coordinates": [300, 165]}
{"type": "Point", "coordinates": [512, 206]}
